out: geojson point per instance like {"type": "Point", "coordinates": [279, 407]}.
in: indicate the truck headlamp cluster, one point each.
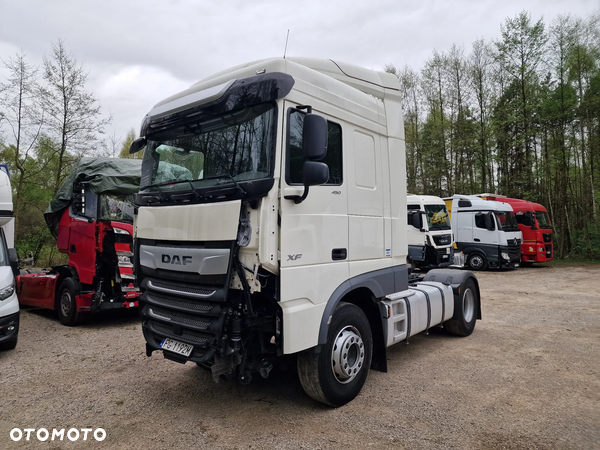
{"type": "Point", "coordinates": [505, 256]}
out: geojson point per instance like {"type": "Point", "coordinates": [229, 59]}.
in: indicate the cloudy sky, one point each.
{"type": "Point", "coordinates": [139, 51]}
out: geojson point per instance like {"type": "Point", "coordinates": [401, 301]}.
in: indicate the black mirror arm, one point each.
{"type": "Point", "coordinates": [298, 198]}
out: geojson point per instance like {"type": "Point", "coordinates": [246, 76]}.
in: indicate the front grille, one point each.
{"type": "Point", "coordinates": [179, 318]}
{"type": "Point", "coordinates": [548, 251]}
{"type": "Point", "coordinates": [185, 306]}
{"type": "Point", "coordinates": [443, 239]}
{"type": "Point", "coordinates": [180, 304]}
{"type": "Point", "coordinates": [164, 331]}
{"type": "Point", "coordinates": [514, 251]}
{"type": "Point", "coordinates": [547, 237]}
{"type": "Point", "coordinates": [181, 289]}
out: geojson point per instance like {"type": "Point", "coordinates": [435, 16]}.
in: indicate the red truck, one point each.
{"type": "Point", "coordinates": [534, 222]}
{"type": "Point", "coordinates": [92, 221]}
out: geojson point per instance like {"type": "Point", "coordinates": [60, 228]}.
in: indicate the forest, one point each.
{"type": "Point", "coordinates": [518, 116]}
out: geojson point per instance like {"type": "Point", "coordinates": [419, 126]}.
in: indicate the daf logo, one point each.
{"type": "Point", "coordinates": [176, 259]}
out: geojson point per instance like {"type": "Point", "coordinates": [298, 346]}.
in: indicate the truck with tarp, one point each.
{"type": "Point", "coordinates": [91, 217]}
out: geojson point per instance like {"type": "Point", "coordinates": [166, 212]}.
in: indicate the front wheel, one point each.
{"type": "Point", "coordinates": [477, 261]}
{"type": "Point", "coordinates": [337, 374]}
{"type": "Point", "coordinates": [67, 305]}
{"type": "Point", "coordinates": [466, 304]}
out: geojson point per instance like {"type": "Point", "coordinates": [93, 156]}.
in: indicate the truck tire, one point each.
{"type": "Point", "coordinates": [9, 345]}
{"type": "Point", "coordinates": [477, 261]}
{"type": "Point", "coordinates": [465, 310]}
{"type": "Point", "coordinates": [66, 304]}
{"type": "Point", "coordinates": [337, 373]}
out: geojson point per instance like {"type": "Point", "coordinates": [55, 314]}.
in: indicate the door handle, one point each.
{"type": "Point", "coordinates": [477, 240]}
{"type": "Point", "coordinates": [339, 254]}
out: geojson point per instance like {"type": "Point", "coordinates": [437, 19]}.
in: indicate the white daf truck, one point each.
{"type": "Point", "coordinates": [272, 221]}
{"type": "Point", "coordinates": [486, 232]}
{"type": "Point", "coordinates": [429, 232]}
{"type": "Point", "coordinates": [9, 303]}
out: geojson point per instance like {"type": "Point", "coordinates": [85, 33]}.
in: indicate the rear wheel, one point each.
{"type": "Point", "coordinates": [477, 261]}
{"type": "Point", "coordinates": [67, 306]}
{"type": "Point", "coordinates": [466, 303]}
{"type": "Point", "coordinates": [336, 375]}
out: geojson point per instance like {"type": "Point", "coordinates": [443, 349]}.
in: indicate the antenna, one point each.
{"type": "Point", "coordinates": [286, 42]}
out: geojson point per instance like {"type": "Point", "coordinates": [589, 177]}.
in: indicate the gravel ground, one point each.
{"type": "Point", "coordinates": [526, 379]}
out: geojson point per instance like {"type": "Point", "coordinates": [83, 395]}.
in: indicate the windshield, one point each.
{"type": "Point", "coordinates": [507, 221]}
{"type": "Point", "coordinates": [119, 209]}
{"type": "Point", "coordinates": [225, 149]}
{"type": "Point", "coordinates": [437, 217]}
{"type": "Point", "coordinates": [543, 219]}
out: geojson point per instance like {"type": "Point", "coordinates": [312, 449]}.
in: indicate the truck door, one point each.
{"type": "Point", "coordinates": [314, 233]}
{"type": "Point", "coordinates": [481, 234]}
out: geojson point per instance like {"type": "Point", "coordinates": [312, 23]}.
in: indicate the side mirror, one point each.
{"type": "Point", "coordinates": [314, 148]}
{"type": "Point", "coordinates": [489, 222]}
{"type": "Point", "coordinates": [314, 137]}
{"type": "Point", "coordinates": [415, 219]}
{"type": "Point", "coordinates": [137, 145]}
{"type": "Point", "coordinates": [13, 260]}
{"type": "Point", "coordinates": [314, 173]}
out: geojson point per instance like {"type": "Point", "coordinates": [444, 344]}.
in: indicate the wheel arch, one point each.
{"type": "Point", "coordinates": [362, 291]}
{"type": "Point", "coordinates": [455, 279]}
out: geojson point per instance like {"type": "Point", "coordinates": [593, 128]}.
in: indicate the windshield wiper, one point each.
{"type": "Point", "coordinates": [230, 177]}
{"type": "Point", "coordinates": [161, 196]}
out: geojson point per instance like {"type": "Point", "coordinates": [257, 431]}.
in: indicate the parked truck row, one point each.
{"type": "Point", "coordinates": [483, 231]}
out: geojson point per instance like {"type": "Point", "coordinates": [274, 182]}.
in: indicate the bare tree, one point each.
{"type": "Point", "coordinates": [73, 114]}
{"type": "Point", "coordinates": [19, 112]}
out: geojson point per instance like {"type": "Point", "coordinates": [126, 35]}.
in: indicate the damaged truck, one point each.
{"type": "Point", "coordinates": [91, 217]}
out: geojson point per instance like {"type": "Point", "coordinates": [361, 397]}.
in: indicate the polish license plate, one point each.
{"type": "Point", "coordinates": [174, 346]}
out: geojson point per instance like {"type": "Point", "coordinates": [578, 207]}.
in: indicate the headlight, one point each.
{"type": "Point", "coordinates": [7, 291]}
{"type": "Point", "coordinates": [542, 250]}
{"type": "Point", "coordinates": [505, 256]}
{"type": "Point", "coordinates": [120, 231]}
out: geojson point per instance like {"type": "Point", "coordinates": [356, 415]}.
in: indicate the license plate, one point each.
{"type": "Point", "coordinates": [176, 347]}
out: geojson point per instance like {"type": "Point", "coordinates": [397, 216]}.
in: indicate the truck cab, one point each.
{"type": "Point", "coordinates": [534, 223]}
{"type": "Point", "coordinates": [92, 220]}
{"type": "Point", "coordinates": [9, 303]}
{"type": "Point", "coordinates": [486, 232]}
{"type": "Point", "coordinates": [429, 232]}
{"type": "Point", "coordinates": [271, 221]}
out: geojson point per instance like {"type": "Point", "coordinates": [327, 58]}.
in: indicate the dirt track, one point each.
{"type": "Point", "coordinates": [528, 377]}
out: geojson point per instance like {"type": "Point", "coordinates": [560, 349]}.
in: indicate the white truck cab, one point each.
{"type": "Point", "coordinates": [429, 232]}
{"type": "Point", "coordinates": [486, 232]}
{"type": "Point", "coordinates": [272, 221]}
{"type": "Point", "coordinates": [9, 303]}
